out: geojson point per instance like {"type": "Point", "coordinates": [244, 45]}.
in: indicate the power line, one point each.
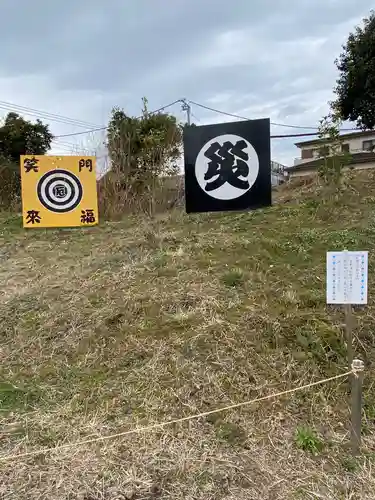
{"type": "Point", "coordinates": [50, 118]}
{"type": "Point", "coordinates": [47, 113]}
{"type": "Point", "coordinates": [81, 133]}
{"type": "Point", "coordinates": [194, 116]}
{"type": "Point", "coordinates": [282, 136]}
{"type": "Point", "coordinates": [8, 106]}
{"type": "Point", "coordinates": [76, 146]}
{"type": "Point", "coordinates": [71, 146]}
{"type": "Point", "coordinates": [272, 123]}
{"type": "Point", "coordinates": [79, 123]}
{"type": "Point", "coordinates": [245, 118]}
{"type": "Point", "coordinates": [63, 143]}
{"type": "Point", "coordinates": [105, 128]}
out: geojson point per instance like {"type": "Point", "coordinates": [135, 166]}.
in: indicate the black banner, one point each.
{"type": "Point", "coordinates": [227, 166]}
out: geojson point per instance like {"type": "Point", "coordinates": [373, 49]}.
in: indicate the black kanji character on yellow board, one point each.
{"type": "Point", "coordinates": [87, 216]}
{"type": "Point", "coordinates": [60, 191]}
{"type": "Point", "coordinates": [30, 164]}
{"type": "Point", "coordinates": [229, 162]}
{"type": "Point", "coordinates": [85, 164]}
{"type": "Point", "coordinates": [33, 217]}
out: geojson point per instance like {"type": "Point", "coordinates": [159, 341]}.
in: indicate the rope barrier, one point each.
{"type": "Point", "coordinates": [160, 425]}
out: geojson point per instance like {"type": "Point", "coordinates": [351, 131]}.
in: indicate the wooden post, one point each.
{"type": "Point", "coordinates": [356, 406]}
{"type": "Point", "coordinates": [348, 315]}
{"type": "Point", "coordinates": [356, 378]}
{"type": "Point", "coordinates": [349, 321]}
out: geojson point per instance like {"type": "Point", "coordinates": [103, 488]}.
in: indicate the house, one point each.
{"type": "Point", "coordinates": [278, 174]}
{"type": "Point", "coordinates": [360, 145]}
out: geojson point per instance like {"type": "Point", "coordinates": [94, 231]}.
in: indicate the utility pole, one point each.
{"type": "Point", "coordinates": [186, 107]}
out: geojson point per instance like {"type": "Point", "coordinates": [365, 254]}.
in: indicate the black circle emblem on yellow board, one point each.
{"type": "Point", "coordinates": [59, 191]}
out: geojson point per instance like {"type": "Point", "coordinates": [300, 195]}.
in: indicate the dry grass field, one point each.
{"type": "Point", "coordinates": [145, 320]}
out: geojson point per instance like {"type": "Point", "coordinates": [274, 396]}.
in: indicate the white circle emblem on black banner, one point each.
{"type": "Point", "coordinates": [226, 167]}
{"type": "Point", "coordinates": [59, 191]}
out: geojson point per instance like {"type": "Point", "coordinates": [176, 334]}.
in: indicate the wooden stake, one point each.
{"type": "Point", "coordinates": [356, 407]}
{"type": "Point", "coordinates": [349, 320]}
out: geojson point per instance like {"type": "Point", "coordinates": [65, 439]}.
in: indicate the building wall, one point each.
{"type": "Point", "coordinates": [313, 171]}
{"type": "Point", "coordinates": [277, 173]}
{"type": "Point", "coordinates": [355, 145]}
{"type": "Point", "coordinates": [277, 178]}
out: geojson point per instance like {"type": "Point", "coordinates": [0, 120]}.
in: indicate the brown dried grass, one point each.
{"type": "Point", "coordinates": [142, 320]}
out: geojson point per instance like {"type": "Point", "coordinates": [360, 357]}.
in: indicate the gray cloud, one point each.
{"type": "Point", "coordinates": [255, 58]}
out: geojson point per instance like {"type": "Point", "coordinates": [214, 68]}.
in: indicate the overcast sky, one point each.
{"type": "Point", "coordinates": [256, 58]}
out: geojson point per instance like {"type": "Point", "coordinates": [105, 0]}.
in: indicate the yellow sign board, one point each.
{"type": "Point", "coordinates": [59, 191]}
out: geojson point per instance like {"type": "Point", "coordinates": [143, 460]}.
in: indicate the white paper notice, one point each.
{"type": "Point", "coordinates": [347, 277]}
